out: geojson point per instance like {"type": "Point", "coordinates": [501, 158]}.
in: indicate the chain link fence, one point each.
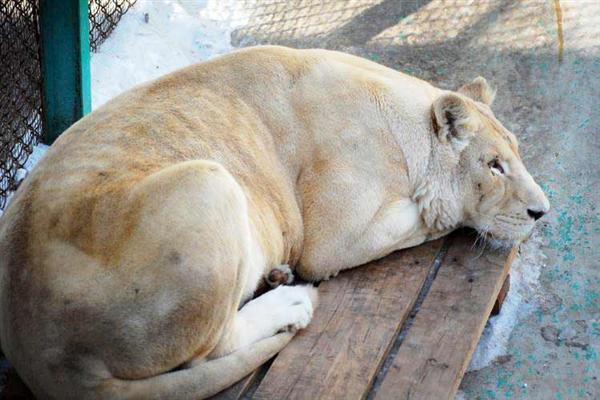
{"type": "Point", "coordinates": [104, 17]}
{"type": "Point", "coordinates": [20, 90]}
{"type": "Point", "coordinates": [21, 80]}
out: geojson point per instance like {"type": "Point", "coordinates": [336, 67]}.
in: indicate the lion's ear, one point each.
{"type": "Point", "coordinates": [453, 121]}
{"type": "Point", "coordinates": [479, 90]}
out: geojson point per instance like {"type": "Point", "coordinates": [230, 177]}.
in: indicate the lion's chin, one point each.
{"type": "Point", "coordinates": [504, 241]}
{"type": "Point", "coordinates": [498, 242]}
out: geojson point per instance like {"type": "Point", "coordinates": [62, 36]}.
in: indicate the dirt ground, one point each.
{"type": "Point", "coordinates": [544, 58]}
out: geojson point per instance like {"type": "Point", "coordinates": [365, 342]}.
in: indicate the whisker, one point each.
{"type": "Point", "coordinates": [480, 241]}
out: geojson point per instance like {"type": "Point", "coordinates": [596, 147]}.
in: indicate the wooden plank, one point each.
{"type": "Point", "coordinates": [357, 320]}
{"type": "Point", "coordinates": [438, 346]}
{"type": "Point", "coordinates": [65, 60]}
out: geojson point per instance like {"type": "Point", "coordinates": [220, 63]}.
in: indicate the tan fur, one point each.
{"type": "Point", "coordinates": [130, 248]}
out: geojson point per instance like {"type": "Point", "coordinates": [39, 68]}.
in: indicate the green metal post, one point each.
{"type": "Point", "coordinates": [65, 40]}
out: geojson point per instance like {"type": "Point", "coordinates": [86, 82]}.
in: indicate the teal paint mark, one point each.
{"type": "Point", "coordinates": [500, 382]}
{"type": "Point", "coordinates": [563, 237]}
{"type": "Point", "coordinates": [577, 199]}
{"type": "Point", "coordinates": [581, 225]}
{"type": "Point", "coordinates": [565, 227]}
{"type": "Point", "coordinates": [591, 298]}
{"type": "Point", "coordinates": [490, 394]}
{"type": "Point", "coordinates": [558, 396]}
{"type": "Point", "coordinates": [575, 307]}
{"type": "Point", "coordinates": [596, 329]}
{"type": "Point", "coordinates": [584, 124]}
{"type": "Point", "coordinates": [590, 354]}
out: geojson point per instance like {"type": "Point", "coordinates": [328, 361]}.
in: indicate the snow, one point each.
{"type": "Point", "coordinates": [38, 152]}
{"type": "Point", "coordinates": [179, 33]}
{"type": "Point", "coordinates": [519, 303]}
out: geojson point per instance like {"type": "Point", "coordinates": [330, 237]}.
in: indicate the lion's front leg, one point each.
{"type": "Point", "coordinates": [286, 308]}
{"type": "Point", "coordinates": [357, 240]}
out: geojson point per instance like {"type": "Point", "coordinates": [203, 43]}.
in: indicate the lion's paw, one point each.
{"type": "Point", "coordinates": [281, 275]}
{"type": "Point", "coordinates": [299, 303]}
{"type": "Point", "coordinates": [286, 308]}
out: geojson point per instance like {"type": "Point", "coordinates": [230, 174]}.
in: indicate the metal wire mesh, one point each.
{"type": "Point", "coordinates": [20, 90]}
{"type": "Point", "coordinates": [104, 17]}
{"type": "Point", "coordinates": [20, 79]}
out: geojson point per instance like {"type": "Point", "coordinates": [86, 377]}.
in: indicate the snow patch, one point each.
{"type": "Point", "coordinates": [36, 155]}
{"type": "Point", "coordinates": [524, 285]}
{"type": "Point", "coordinates": [154, 38]}
{"type": "Point", "coordinates": [460, 395]}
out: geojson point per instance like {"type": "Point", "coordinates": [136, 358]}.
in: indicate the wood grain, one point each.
{"type": "Point", "coordinates": [356, 322]}
{"type": "Point", "coordinates": [435, 353]}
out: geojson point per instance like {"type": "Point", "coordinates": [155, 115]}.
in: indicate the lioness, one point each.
{"type": "Point", "coordinates": [128, 252]}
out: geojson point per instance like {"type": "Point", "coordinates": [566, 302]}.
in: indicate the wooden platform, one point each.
{"type": "Point", "coordinates": [403, 327]}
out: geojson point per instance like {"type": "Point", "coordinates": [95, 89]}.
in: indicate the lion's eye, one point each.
{"type": "Point", "coordinates": [496, 167]}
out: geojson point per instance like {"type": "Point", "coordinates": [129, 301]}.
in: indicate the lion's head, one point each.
{"type": "Point", "coordinates": [499, 197]}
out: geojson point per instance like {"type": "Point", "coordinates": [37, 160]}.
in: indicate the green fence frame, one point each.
{"type": "Point", "coordinates": [65, 59]}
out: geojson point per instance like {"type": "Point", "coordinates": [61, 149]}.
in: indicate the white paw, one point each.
{"type": "Point", "coordinates": [286, 308]}
{"type": "Point", "coordinates": [300, 303]}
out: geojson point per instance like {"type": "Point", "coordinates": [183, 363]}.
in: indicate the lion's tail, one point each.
{"type": "Point", "coordinates": [202, 380]}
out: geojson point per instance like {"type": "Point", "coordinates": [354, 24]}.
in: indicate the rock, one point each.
{"type": "Point", "coordinates": [581, 342]}
{"type": "Point", "coordinates": [550, 334]}
{"type": "Point", "coordinates": [574, 335]}
{"type": "Point", "coordinates": [567, 333]}
{"type": "Point", "coordinates": [550, 303]}
{"type": "Point", "coordinates": [582, 324]}
{"type": "Point", "coordinates": [503, 359]}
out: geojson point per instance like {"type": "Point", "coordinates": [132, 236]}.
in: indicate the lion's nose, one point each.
{"type": "Point", "coordinates": [535, 214]}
